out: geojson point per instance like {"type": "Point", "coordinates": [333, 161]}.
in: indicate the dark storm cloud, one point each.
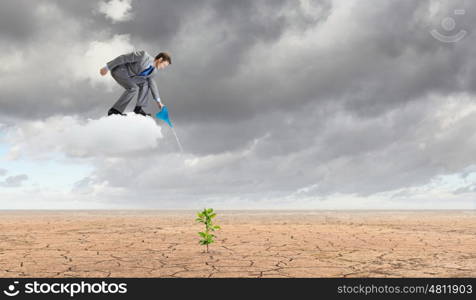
{"type": "Point", "coordinates": [400, 61]}
{"type": "Point", "coordinates": [212, 82]}
{"type": "Point", "coordinates": [158, 22]}
{"type": "Point", "coordinates": [17, 21]}
{"type": "Point", "coordinates": [156, 26]}
{"type": "Point", "coordinates": [54, 99]}
{"type": "Point", "coordinates": [373, 63]}
{"type": "Point", "coordinates": [348, 109]}
{"type": "Point", "coordinates": [386, 60]}
{"type": "Point", "coordinates": [345, 154]}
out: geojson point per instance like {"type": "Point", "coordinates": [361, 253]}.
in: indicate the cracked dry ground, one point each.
{"type": "Point", "coordinates": [250, 244]}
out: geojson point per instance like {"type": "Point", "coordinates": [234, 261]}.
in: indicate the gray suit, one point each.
{"type": "Point", "coordinates": [125, 69]}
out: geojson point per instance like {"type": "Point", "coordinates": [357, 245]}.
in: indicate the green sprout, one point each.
{"type": "Point", "coordinates": [206, 217]}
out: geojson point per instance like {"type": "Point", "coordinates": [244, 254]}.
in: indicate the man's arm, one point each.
{"type": "Point", "coordinates": [155, 91]}
{"type": "Point", "coordinates": [126, 58]}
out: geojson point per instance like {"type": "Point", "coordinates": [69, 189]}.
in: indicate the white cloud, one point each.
{"type": "Point", "coordinates": [73, 137]}
{"type": "Point", "coordinates": [116, 10]}
{"type": "Point", "coordinates": [11, 61]}
{"type": "Point", "coordinates": [98, 53]}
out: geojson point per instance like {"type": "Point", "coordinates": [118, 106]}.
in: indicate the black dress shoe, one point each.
{"type": "Point", "coordinates": [140, 111]}
{"type": "Point", "coordinates": [114, 111]}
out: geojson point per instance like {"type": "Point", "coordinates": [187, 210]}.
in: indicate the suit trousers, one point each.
{"type": "Point", "coordinates": [135, 86]}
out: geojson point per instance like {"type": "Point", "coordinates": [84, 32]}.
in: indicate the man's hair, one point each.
{"type": "Point", "coordinates": [164, 56]}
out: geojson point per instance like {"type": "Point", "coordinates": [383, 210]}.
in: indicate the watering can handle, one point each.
{"type": "Point", "coordinates": [160, 105]}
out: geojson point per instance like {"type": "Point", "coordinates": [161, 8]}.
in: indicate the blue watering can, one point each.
{"type": "Point", "coordinates": [163, 115]}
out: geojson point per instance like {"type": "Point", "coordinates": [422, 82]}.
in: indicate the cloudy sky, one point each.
{"type": "Point", "coordinates": [279, 104]}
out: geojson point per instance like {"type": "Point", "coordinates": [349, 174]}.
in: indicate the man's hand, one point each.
{"type": "Point", "coordinates": [103, 71]}
{"type": "Point", "coordinates": [160, 105]}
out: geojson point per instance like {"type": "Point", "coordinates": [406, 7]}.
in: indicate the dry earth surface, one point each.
{"type": "Point", "coordinates": [250, 244]}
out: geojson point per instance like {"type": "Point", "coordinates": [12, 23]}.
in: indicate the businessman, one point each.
{"type": "Point", "coordinates": [134, 72]}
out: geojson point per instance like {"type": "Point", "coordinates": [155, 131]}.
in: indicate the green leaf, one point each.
{"type": "Point", "coordinates": [206, 217]}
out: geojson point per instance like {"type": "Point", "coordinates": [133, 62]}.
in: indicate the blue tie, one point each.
{"type": "Point", "coordinates": [146, 71]}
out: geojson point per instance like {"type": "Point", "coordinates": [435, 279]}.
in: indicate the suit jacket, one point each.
{"type": "Point", "coordinates": [136, 62]}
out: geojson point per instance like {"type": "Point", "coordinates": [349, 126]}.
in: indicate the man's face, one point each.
{"type": "Point", "coordinates": [160, 63]}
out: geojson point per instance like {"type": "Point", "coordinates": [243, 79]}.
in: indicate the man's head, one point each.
{"type": "Point", "coordinates": [162, 60]}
